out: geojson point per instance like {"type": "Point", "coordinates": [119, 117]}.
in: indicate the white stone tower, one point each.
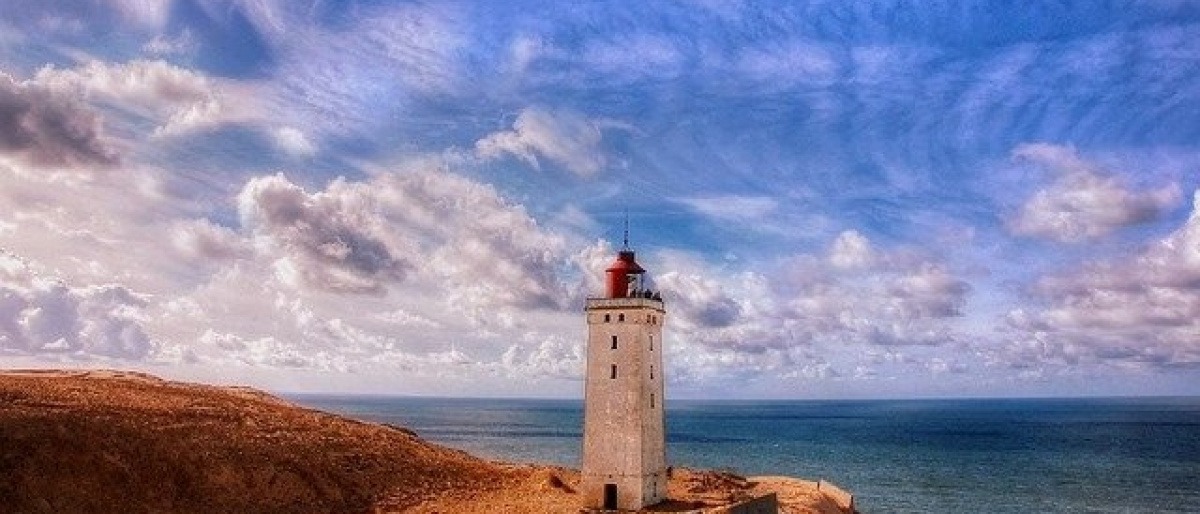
{"type": "Point", "coordinates": [624, 449]}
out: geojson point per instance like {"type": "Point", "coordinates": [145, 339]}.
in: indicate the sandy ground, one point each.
{"type": "Point", "coordinates": [539, 489]}
{"type": "Point", "coordinates": [105, 441]}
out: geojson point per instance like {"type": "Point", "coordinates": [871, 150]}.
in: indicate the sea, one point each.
{"type": "Point", "coordinates": [1094, 455]}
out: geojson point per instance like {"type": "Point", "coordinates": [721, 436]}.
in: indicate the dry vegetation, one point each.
{"type": "Point", "coordinates": [124, 442]}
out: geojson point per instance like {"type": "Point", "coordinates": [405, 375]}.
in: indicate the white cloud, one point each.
{"type": "Point", "coordinates": [203, 241]}
{"type": "Point", "coordinates": [634, 57]}
{"type": "Point", "coordinates": [46, 127]}
{"type": "Point", "coordinates": [180, 100]}
{"type": "Point", "coordinates": [294, 142]}
{"type": "Point", "coordinates": [697, 301]}
{"type": "Point", "coordinates": [364, 236]}
{"type": "Point", "coordinates": [330, 240]}
{"type": "Point", "coordinates": [809, 319]}
{"type": "Point", "coordinates": [789, 64]}
{"type": "Point", "coordinates": [150, 13]}
{"type": "Point", "coordinates": [42, 315]}
{"type": "Point", "coordinates": [743, 209]}
{"type": "Point", "coordinates": [851, 251]}
{"type": "Point", "coordinates": [550, 357]}
{"type": "Point", "coordinates": [330, 78]}
{"type": "Point", "coordinates": [1143, 310]}
{"type": "Point", "coordinates": [474, 265]}
{"type": "Point", "coordinates": [1082, 203]}
{"type": "Point", "coordinates": [404, 318]}
{"type": "Point", "coordinates": [591, 261]}
{"type": "Point", "coordinates": [93, 225]}
{"type": "Point", "coordinates": [181, 44]}
{"type": "Point", "coordinates": [523, 50]}
{"type": "Point", "coordinates": [563, 137]}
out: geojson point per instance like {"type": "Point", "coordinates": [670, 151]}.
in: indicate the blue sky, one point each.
{"type": "Point", "coordinates": [838, 199]}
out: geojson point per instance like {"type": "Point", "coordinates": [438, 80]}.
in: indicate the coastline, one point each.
{"type": "Point", "coordinates": [183, 447]}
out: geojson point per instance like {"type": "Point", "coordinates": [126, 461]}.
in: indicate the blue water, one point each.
{"type": "Point", "coordinates": [955, 456]}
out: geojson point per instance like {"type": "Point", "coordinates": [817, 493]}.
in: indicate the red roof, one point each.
{"type": "Point", "coordinates": [626, 263]}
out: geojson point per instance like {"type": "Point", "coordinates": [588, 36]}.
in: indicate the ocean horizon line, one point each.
{"type": "Point", "coordinates": [288, 394]}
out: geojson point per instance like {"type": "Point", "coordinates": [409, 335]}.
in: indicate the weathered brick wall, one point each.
{"type": "Point", "coordinates": [623, 416]}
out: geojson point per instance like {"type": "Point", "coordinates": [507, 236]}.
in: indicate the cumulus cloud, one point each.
{"type": "Point", "coordinates": [698, 301]}
{"type": "Point", "coordinates": [363, 236]}
{"type": "Point", "coordinates": [851, 295]}
{"type": "Point", "coordinates": [551, 357]}
{"type": "Point", "coordinates": [851, 251]}
{"type": "Point", "coordinates": [202, 240]}
{"type": "Point", "coordinates": [43, 126]}
{"type": "Point", "coordinates": [592, 260]}
{"type": "Point", "coordinates": [326, 239]}
{"type": "Point", "coordinates": [180, 100]}
{"type": "Point", "coordinates": [270, 351]}
{"type": "Point", "coordinates": [1145, 309]}
{"type": "Point", "coordinates": [1082, 203]}
{"type": "Point", "coordinates": [563, 137]}
{"type": "Point", "coordinates": [41, 315]}
{"type": "Point", "coordinates": [887, 307]}
{"type": "Point", "coordinates": [928, 292]}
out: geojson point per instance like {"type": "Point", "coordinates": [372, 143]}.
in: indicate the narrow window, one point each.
{"type": "Point", "coordinates": [614, 372]}
{"type": "Point", "coordinates": [651, 343]}
{"type": "Point", "coordinates": [651, 372]}
{"type": "Point", "coordinates": [649, 318]}
{"type": "Point", "coordinates": [621, 317]}
{"type": "Point", "coordinates": [614, 341]}
{"type": "Point", "coordinates": [607, 318]}
{"type": "Point", "coordinates": [651, 400]}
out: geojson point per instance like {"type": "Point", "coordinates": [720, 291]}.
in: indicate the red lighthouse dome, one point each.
{"type": "Point", "coordinates": [623, 276]}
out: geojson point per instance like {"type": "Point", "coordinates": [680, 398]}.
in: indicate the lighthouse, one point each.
{"type": "Point", "coordinates": [624, 448]}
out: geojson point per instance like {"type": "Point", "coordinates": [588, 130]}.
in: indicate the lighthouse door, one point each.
{"type": "Point", "coordinates": [610, 496]}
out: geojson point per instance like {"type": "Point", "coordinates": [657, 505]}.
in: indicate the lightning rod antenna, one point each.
{"type": "Point", "coordinates": [625, 241]}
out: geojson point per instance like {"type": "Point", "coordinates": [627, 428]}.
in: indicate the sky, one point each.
{"type": "Point", "coordinates": [837, 199]}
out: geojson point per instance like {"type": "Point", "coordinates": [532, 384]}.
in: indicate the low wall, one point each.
{"type": "Point", "coordinates": [843, 499]}
{"type": "Point", "coordinates": [766, 504]}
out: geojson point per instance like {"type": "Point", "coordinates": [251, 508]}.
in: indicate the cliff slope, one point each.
{"type": "Point", "coordinates": [103, 441]}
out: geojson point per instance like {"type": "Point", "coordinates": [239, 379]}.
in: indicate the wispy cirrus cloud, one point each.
{"type": "Point", "coordinates": [563, 137]}
{"type": "Point", "coordinates": [379, 59]}
{"type": "Point", "coordinates": [746, 209]}
{"type": "Point", "coordinates": [178, 100]}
